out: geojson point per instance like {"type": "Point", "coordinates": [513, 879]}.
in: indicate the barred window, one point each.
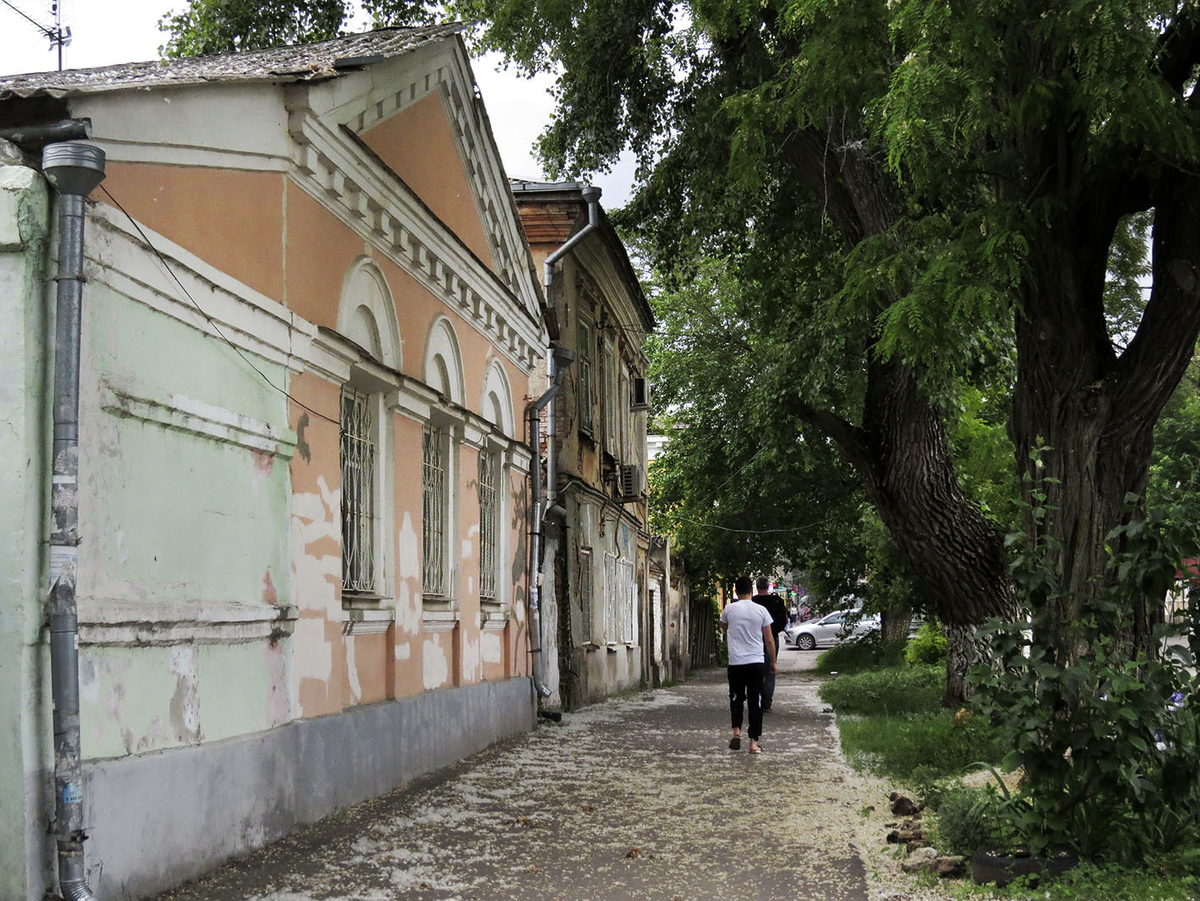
{"type": "Point", "coordinates": [358, 492]}
{"type": "Point", "coordinates": [489, 524]}
{"type": "Point", "coordinates": [628, 593]}
{"type": "Point", "coordinates": [434, 504]}
{"type": "Point", "coordinates": [585, 593]}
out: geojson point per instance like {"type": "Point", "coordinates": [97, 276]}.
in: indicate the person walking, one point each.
{"type": "Point", "coordinates": [779, 619]}
{"type": "Point", "coordinates": [747, 629]}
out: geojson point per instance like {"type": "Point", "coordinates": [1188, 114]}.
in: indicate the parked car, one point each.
{"type": "Point", "coordinates": [831, 629]}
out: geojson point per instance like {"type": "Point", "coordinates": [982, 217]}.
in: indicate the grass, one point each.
{"type": "Point", "coordinates": [1089, 882]}
{"type": "Point", "coordinates": [899, 689]}
{"type": "Point", "coordinates": [867, 653]}
{"type": "Point", "coordinates": [892, 745]}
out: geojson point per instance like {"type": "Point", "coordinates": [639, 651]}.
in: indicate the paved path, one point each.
{"type": "Point", "coordinates": [635, 798]}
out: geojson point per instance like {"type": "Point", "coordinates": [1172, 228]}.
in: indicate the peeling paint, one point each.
{"type": "Point", "coordinates": [268, 593]}
{"type": "Point", "coordinates": [352, 670]}
{"type": "Point", "coordinates": [491, 647]}
{"type": "Point", "coordinates": [437, 666]}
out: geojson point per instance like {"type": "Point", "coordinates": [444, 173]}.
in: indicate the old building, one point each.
{"type": "Point", "coordinates": [599, 626]}
{"type": "Point", "coordinates": [310, 321]}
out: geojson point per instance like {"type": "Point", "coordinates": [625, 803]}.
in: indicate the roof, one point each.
{"type": "Point", "coordinates": [304, 62]}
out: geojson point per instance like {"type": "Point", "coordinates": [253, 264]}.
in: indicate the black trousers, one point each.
{"type": "Point", "coordinates": [745, 687]}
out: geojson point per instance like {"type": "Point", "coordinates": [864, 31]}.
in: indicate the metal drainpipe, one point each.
{"type": "Point", "coordinates": [535, 538]}
{"type": "Point", "coordinates": [74, 169]}
{"type": "Point", "coordinates": [591, 194]}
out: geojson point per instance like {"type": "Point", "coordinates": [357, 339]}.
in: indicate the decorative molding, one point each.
{"type": "Point", "coordinates": [194, 417]}
{"type": "Point", "coordinates": [232, 311]}
{"type": "Point", "coordinates": [373, 202]}
{"type": "Point", "coordinates": [493, 617]}
{"type": "Point", "coordinates": [119, 623]}
{"type": "Point", "coordinates": [361, 621]}
{"type": "Point", "coordinates": [438, 619]}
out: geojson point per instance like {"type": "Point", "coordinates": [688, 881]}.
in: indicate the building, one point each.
{"type": "Point", "coordinates": [309, 326]}
{"type": "Point", "coordinates": [601, 632]}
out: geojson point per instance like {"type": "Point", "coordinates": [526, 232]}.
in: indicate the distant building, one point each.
{"type": "Point", "coordinates": [599, 625]}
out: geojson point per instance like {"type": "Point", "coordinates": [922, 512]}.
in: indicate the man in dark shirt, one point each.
{"type": "Point", "coordinates": [779, 617]}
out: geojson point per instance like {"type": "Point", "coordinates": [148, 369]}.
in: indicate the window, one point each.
{"type": "Point", "coordinates": [609, 398]}
{"type": "Point", "coordinates": [586, 389]}
{"type": "Point", "coordinates": [435, 505]}
{"type": "Point", "coordinates": [358, 492]}
{"type": "Point", "coordinates": [627, 593]}
{"type": "Point", "coordinates": [585, 594]}
{"type": "Point", "coordinates": [489, 524]}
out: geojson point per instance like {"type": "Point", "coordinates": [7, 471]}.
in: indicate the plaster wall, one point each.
{"type": "Point", "coordinates": [24, 730]}
{"type": "Point", "coordinates": [159, 819]}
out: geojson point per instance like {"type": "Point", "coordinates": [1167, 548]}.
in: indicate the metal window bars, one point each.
{"type": "Point", "coordinates": [434, 504]}
{"type": "Point", "coordinates": [489, 515]}
{"type": "Point", "coordinates": [358, 493]}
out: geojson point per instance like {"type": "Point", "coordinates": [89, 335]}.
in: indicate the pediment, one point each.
{"type": "Point", "coordinates": [418, 115]}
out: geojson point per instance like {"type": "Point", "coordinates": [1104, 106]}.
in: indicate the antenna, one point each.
{"type": "Point", "coordinates": [59, 36]}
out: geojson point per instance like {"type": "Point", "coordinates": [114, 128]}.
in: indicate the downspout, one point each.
{"type": "Point", "coordinates": [591, 194]}
{"type": "Point", "coordinates": [535, 537]}
{"type": "Point", "coordinates": [74, 169]}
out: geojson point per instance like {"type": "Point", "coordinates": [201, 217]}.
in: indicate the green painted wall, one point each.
{"type": "Point", "coordinates": [23, 732]}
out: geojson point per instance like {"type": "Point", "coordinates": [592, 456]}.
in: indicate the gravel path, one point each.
{"type": "Point", "coordinates": [634, 798]}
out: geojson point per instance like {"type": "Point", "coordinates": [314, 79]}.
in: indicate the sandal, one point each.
{"type": "Point", "coordinates": [735, 743]}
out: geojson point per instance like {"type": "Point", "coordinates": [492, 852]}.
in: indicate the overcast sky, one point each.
{"type": "Point", "coordinates": [105, 32]}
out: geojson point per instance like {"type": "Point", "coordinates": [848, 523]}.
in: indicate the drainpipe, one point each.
{"type": "Point", "coordinates": [535, 537]}
{"type": "Point", "coordinates": [74, 169]}
{"type": "Point", "coordinates": [560, 358]}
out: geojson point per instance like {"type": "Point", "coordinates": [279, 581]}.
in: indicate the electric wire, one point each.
{"type": "Point", "coordinates": [49, 32]}
{"type": "Point", "coordinates": [211, 321]}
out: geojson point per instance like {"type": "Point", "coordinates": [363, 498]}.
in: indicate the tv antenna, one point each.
{"type": "Point", "coordinates": [59, 36]}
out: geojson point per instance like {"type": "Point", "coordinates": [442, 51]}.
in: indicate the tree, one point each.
{"type": "Point", "coordinates": [966, 168]}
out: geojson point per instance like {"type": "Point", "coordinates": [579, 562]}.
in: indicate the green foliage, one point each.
{"type": "Point", "coordinates": [927, 647]}
{"type": "Point", "coordinates": [1109, 742]}
{"type": "Point", "coordinates": [226, 26]}
{"type": "Point", "coordinates": [967, 819]}
{"type": "Point", "coordinates": [909, 689]}
{"type": "Point", "coordinates": [1112, 883]}
{"type": "Point", "coordinates": [893, 745]}
{"type": "Point", "coordinates": [868, 653]}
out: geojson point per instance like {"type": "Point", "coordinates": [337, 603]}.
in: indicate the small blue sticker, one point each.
{"type": "Point", "coordinates": [72, 793]}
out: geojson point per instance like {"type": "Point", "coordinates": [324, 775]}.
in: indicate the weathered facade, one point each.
{"type": "Point", "coordinates": [310, 322]}
{"type": "Point", "coordinates": [600, 630]}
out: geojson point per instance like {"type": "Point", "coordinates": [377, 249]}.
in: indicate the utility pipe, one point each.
{"type": "Point", "coordinates": [535, 536]}
{"type": "Point", "coordinates": [32, 136]}
{"type": "Point", "coordinates": [591, 195]}
{"type": "Point", "coordinates": [74, 169]}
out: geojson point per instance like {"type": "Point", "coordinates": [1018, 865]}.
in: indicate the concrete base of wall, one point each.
{"type": "Point", "coordinates": [156, 820]}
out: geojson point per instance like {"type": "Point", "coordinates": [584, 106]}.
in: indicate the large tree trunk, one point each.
{"type": "Point", "coordinates": [1083, 418]}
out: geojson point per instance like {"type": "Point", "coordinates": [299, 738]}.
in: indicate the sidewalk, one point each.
{"type": "Point", "coordinates": [636, 798]}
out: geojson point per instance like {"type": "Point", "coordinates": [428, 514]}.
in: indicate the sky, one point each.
{"type": "Point", "coordinates": [105, 32]}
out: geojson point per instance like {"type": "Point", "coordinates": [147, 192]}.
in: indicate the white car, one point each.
{"type": "Point", "coordinates": [831, 629]}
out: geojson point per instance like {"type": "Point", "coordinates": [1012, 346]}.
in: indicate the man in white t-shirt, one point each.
{"type": "Point", "coordinates": [747, 628]}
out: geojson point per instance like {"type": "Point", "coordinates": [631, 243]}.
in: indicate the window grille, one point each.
{"type": "Point", "coordinates": [489, 522]}
{"type": "Point", "coordinates": [434, 503]}
{"type": "Point", "coordinates": [585, 593]}
{"type": "Point", "coordinates": [358, 492]}
{"type": "Point", "coordinates": [611, 610]}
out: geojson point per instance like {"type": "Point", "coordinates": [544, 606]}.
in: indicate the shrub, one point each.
{"type": "Point", "coordinates": [886, 691]}
{"type": "Point", "coordinates": [967, 819]}
{"type": "Point", "coordinates": [927, 647]}
{"type": "Point", "coordinates": [868, 653]}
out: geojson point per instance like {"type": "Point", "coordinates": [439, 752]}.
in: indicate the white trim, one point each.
{"type": "Point", "coordinates": [442, 342]}
{"type": "Point", "coordinates": [184, 414]}
{"type": "Point", "coordinates": [111, 622]}
{"type": "Point", "coordinates": [380, 307]}
{"type": "Point", "coordinates": [357, 621]}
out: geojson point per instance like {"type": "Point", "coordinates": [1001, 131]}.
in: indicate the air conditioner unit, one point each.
{"type": "Point", "coordinates": [641, 394]}
{"type": "Point", "coordinates": [629, 482]}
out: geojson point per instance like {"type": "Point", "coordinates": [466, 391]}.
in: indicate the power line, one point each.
{"type": "Point", "coordinates": [57, 35]}
{"type": "Point", "coordinates": [211, 321]}
{"type": "Point", "coordinates": [713, 525]}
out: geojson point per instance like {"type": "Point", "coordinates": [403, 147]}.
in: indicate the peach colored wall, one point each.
{"type": "Point", "coordinates": [231, 219]}
{"type": "Point", "coordinates": [417, 144]}
{"type": "Point", "coordinates": [320, 250]}
{"type": "Point", "coordinates": [408, 650]}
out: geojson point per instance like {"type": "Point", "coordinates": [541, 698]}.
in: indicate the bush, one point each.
{"type": "Point", "coordinates": [927, 647]}
{"type": "Point", "coordinates": [868, 653]}
{"type": "Point", "coordinates": [886, 691]}
{"type": "Point", "coordinates": [967, 819]}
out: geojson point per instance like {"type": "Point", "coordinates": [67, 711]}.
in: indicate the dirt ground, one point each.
{"type": "Point", "coordinates": [639, 797]}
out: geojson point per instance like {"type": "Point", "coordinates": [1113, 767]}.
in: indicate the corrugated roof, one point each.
{"type": "Point", "coordinates": [304, 62]}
